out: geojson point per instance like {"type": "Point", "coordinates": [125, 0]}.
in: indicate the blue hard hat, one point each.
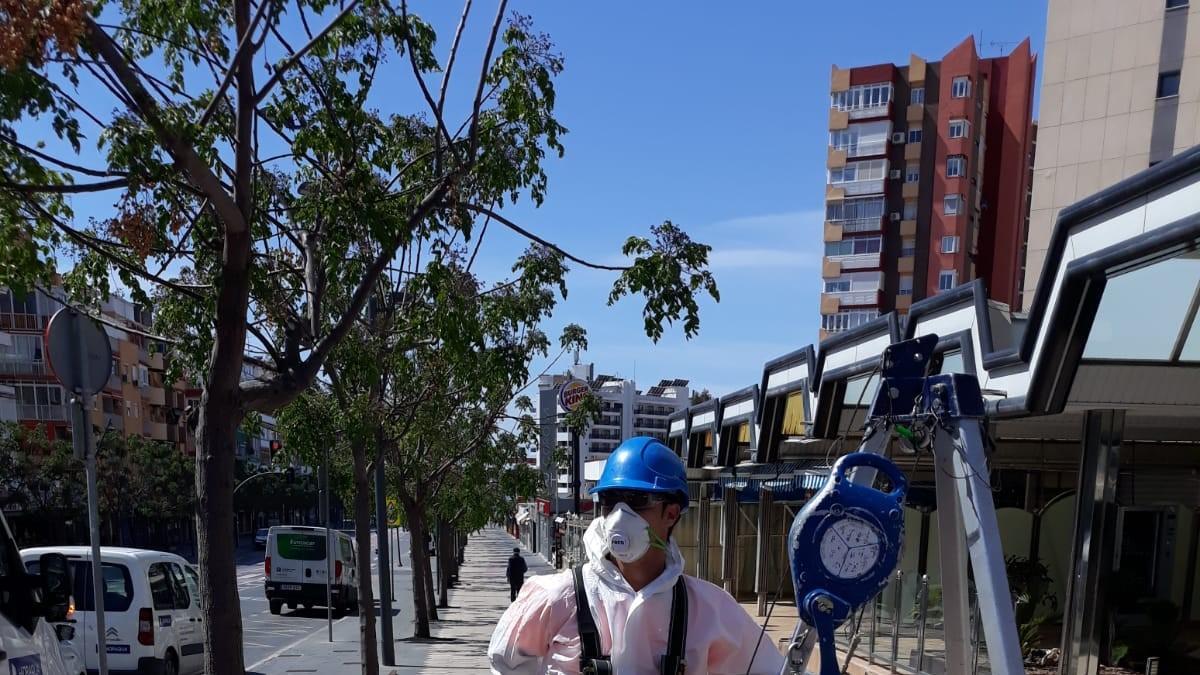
{"type": "Point", "coordinates": [644, 464]}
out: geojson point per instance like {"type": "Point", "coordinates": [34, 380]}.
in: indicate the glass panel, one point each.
{"type": "Point", "coordinates": [860, 390]}
{"type": "Point", "coordinates": [952, 362]}
{"type": "Point", "coordinates": [1141, 312]}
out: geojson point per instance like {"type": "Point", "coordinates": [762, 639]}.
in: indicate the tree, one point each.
{"type": "Point", "coordinates": [250, 174]}
{"type": "Point", "coordinates": [701, 396]}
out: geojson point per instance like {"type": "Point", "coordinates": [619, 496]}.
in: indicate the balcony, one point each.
{"type": "Point", "coordinates": [861, 225]}
{"type": "Point", "coordinates": [156, 361]}
{"type": "Point", "coordinates": [27, 411]}
{"type": "Point", "coordinates": [114, 421]}
{"type": "Point", "coordinates": [830, 268]}
{"type": "Point", "coordinates": [903, 301]}
{"type": "Point", "coordinates": [874, 111]}
{"type": "Point", "coordinates": [908, 228]}
{"type": "Point", "coordinates": [834, 192]}
{"type": "Point", "coordinates": [24, 367]}
{"type": "Point", "coordinates": [910, 190]}
{"type": "Point", "coordinates": [836, 158]}
{"type": "Point", "coordinates": [852, 298]}
{"type": "Point", "coordinates": [860, 187]}
{"type": "Point", "coordinates": [838, 119]}
{"type": "Point", "coordinates": [833, 232]}
{"type": "Point", "coordinates": [25, 321]}
{"type": "Point", "coordinates": [905, 264]}
{"type": "Point", "coordinates": [912, 152]}
{"type": "Point", "coordinates": [156, 396]}
{"type": "Point", "coordinates": [915, 113]}
{"type": "Point", "coordinates": [154, 430]}
{"type": "Point", "coordinates": [862, 261]}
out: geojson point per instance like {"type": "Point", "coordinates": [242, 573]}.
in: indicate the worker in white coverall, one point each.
{"type": "Point", "coordinates": [637, 597]}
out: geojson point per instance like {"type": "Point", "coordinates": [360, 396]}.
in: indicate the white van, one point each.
{"type": "Point", "coordinates": [28, 605]}
{"type": "Point", "coordinates": [151, 609]}
{"type": "Point", "coordinates": [295, 568]}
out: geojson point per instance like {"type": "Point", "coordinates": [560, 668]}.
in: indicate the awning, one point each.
{"type": "Point", "coordinates": [523, 515]}
{"type": "Point", "coordinates": [787, 481]}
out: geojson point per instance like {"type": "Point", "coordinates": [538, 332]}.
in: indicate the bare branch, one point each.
{"type": "Point", "coordinates": [233, 64]}
{"type": "Point", "coordinates": [533, 237]}
{"type": "Point", "coordinates": [433, 106]}
{"type": "Point", "coordinates": [68, 188]}
{"type": "Point", "coordinates": [462, 22]}
{"type": "Point", "coordinates": [184, 155]}
{"type": "Point", "coordinates": [291, 60]}
{"type": "Point", "coordinates": [64, 164]}
{"type": "Point", "coordinates": [487, 60]}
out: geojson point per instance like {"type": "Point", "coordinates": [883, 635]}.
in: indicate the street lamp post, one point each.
{"type": "Point", "coordinates": [328, 542]}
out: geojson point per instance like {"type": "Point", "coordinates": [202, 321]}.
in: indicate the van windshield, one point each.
{"type": "Point", "coordinates": [300, 546]}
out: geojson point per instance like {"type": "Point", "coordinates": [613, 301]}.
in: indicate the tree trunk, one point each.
{"type": "Point", "coordinates": [444, 545]}
{"type": "Point", "coordinates": [362, 535]}
{"type": "Point", "coordinates": [216, 435]}
{"type": "Point", "coordinates": [430, 596]}
{"type": "Point", "coordinates": [419, 555]}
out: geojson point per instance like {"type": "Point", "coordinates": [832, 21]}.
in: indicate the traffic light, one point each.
{"type": "Point", "coordinates": [275, 446]}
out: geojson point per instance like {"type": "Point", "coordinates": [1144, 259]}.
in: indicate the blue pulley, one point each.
{"type": "Point", "coordinates": [844, 545]}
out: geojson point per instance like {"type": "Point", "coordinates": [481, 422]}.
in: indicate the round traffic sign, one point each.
{"type": "Point", "coordinates": [78, 350]}
{"type": "Point", "coordinates": [393, 512]}
{"type": "Point", "coordinates": [573, 393]}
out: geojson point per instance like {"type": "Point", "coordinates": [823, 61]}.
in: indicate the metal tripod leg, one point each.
{"type": "Point", "coordinates": [963, 471]}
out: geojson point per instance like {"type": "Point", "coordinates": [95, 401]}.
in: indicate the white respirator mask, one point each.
{"type": "Point", "coordinates": [628, 536]}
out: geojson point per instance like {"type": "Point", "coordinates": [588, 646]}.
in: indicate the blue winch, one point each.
{"type": "Point", "coordinates": [844, 545]}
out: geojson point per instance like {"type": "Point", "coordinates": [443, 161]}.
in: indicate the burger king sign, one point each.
{"type": "Point", "coordinates": [572, 393]}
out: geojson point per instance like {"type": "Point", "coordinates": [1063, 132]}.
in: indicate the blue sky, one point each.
{"type": "Point", "coordinates": [715, 116]}
{"type": "Point", "coordinates": [712, 115]}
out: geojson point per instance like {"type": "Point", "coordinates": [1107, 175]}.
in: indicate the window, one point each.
{"type": "Point", "coordinates": [1172, 4]}
{"type": "Point", "coordinates": [854, 209]}
{"type": "Point", "coordinates": [859, 140]}
{"type": "Point", "coordinates": [916, 96]}
{"type": "Point", "coordinates": [951, 205]}
{"type": "Point", "coordinates": [914, 135]}
{"type": "Point", "coordinates": [179, 588]}
{"type": "Point", "coordinates": [946, 280]}
{"type": "Point", "coordinates": [912, 173]}
{"type": "Point", "coordinates": [958, 128]}
{"type": "Point", "coordinates": [161, 586]}
{"type": "Point", "coordinates": [960, 87]}
{"type": "Point", "coordinates": [862, 97]}
{"type": "Point", "coordinates": [908, 248]}
{"type": "Point", "coordinates": [905, 286]}
{"type": "Point", "coordinates": [847, 320]}
{"type": "Point", "coordinates": [856, 246]}
{"type": "Point", "coordinates": [949, 244]}
{"type": "Point", "coordinates": [910, 210]}
{"type": "Point", "coordinates": [956, 165]}
{"type": "Point", "coordinates": [1168, 84]}
{"type": "Point", "coordinates": [118, 585]}
{"type": "Point", "coordinates": [875, 169]}
{"type": "Point", "coordinates": [837, 286]}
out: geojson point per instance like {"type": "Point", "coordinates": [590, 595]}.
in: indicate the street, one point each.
{"type": "Point", "coordinates": [266, 636]}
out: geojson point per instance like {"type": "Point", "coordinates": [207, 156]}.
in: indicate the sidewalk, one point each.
{"type": "Point", "coordinates": [460, 638]}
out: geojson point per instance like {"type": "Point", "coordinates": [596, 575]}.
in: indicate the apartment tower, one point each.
{"type": "Point", "coordinates": [1120, 93]}
{"type": "Point", "coordinates": [928, 184]}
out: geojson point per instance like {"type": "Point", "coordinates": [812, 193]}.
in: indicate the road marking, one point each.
{"type": "Point", "coordinates": [290, 646]}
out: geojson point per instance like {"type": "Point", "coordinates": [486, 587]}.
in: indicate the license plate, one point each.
{"type": "Point", "coordinates": [289, 587]}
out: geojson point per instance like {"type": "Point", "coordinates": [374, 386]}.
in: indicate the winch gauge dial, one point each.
{"type": "Point", "coordinates": [850, 548]}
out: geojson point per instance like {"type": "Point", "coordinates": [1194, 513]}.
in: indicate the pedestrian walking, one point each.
{"type": "Point", "coordinates": [516, 573]}
{"type": "Point", "coordinates": [607, 615]}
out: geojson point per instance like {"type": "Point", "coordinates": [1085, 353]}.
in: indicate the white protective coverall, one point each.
{"type": "Point", "coordinates": [539, 633]}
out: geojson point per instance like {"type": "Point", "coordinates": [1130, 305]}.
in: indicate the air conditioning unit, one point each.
{"type": "Point", "coordinates": [894, 174]}
{"type": "Point", "coordinates": [895, 216]}
{"type": "Point", "coordinates": [898, 137]}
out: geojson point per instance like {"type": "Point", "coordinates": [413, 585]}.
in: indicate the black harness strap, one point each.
{"type": "Point", "coordinates": [592, 660]}
{"type": "Point", "coordinates": [673, 662]}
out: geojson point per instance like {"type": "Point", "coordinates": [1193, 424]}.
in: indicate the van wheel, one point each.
{"type": "Point", "coordinates": [276, 606]}
{"type": "Point", "coordinates": [171, 667]}
{"type": "Point", "coordinates": [307, 606]}
{"type": "Point", "coordinates": [292, 606]}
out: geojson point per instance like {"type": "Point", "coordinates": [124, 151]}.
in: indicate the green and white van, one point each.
{"type": "Point", "coordinates": [295, 567]}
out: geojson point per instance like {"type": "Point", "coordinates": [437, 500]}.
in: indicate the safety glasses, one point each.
{"type": "Point", "coordinates": [638, 501]}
